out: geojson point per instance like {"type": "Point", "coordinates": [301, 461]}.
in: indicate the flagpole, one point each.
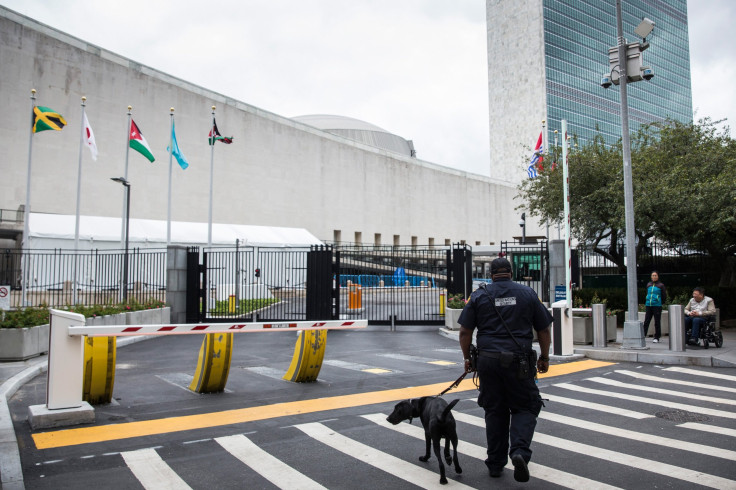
{"type": "Point", "coordinates": [125, 176]}
{"type": "Point", "coordinates": [79, 200]}
{"type": "Point", "coordinates": [212, 174]}
{"type": "Point", "coordinates": [545, 147]}
{"type": "Point", "coordinates": [171, 154]}
{"type": "Point", "coordinates": [27, 209]}
{"type": "Point", "coordinates": [566, 202]}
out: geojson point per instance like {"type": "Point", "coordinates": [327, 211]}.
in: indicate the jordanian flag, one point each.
{"type": "Point", "coordinates": [138, 142]}
{"type": "Point", "coordinates": [45, 119]}
{"type": "Point", "coordinates": [216, 136]}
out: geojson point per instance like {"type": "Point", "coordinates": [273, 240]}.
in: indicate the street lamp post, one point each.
{"type": "Point", "coordinates": [628, 65]}
{"type": "Point", "coordinates": [127, 234]}
{"type": "Point", "coordinates": [522, 224]}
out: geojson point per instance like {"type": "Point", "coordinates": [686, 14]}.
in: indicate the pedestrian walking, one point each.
{"type": "Point", "coordinates": [505, 313]}
{"type": "Point", "coordinates": [656, 297]}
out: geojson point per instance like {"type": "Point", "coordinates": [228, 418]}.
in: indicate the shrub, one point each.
{"type": "Point", "coordinates": [30, 317]}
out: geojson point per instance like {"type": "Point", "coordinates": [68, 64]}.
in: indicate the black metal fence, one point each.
{"type": "Point", "coordinates": [530, 265]}
{"type": "Point", "coordinates": [59, 277]}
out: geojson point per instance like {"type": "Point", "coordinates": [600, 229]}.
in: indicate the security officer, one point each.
{"type": "Point", "coordinates": [504, 313]}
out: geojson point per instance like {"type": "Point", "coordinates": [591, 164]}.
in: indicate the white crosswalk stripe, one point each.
{"type": "Point", "coordinates": [597, 406]}
{"type": "Point", "coordinates": [662, 391]}
{"type": "Point", "coordinates": [638, 436]}
{"type": "Point", "coordinates": [651, 401]}
{"type": "Point", "coordinates": [152, 472]}
{"type": "Point", "coordinates": [671, 471]}
{"type": "Point", "coordinates": [680, 382]}
{"type": "Point", "coordinates": [398, 467]}
{"type": "Point", "coordinates": [269, 467]}
{"type": "Point", "coordinates": [709, 428]}
{"type": "Point", "coordinates": [539, 471]}
{"type": "Point", "coordinates": [706, 374]}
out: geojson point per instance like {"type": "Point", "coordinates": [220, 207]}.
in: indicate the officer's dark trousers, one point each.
{"type": "Point", "coordinates": [511, 407]}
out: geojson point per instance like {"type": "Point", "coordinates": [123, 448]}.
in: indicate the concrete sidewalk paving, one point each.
{"type": "Point", "coordinates": [655, 353]}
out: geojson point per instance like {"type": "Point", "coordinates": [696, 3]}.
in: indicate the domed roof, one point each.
{"type": "Point", "coordinates": [360, 131]}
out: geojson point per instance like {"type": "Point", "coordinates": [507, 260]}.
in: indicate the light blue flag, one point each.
{"type": "Point", "coordinates": [176, 152]}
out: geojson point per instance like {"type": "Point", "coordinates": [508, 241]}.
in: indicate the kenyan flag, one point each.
{"type": "Point", "coordinates": [138, 142]}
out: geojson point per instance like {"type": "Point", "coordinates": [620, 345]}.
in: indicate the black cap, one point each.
{"type": "Point", "coordinates": [500, 266]}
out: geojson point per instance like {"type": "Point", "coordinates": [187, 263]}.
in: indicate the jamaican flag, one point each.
{"type": "Point", "coordinates": [45, 119]}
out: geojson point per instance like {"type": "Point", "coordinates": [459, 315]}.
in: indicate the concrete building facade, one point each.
{"type": "Point", "coordinates": [278, 171]}
{"type": "Point", "coordinates": [545, 61]}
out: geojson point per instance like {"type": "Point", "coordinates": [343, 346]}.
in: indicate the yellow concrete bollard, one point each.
{"type": "Point", "coordinates": [213, 365]}
{"type": "Point", "coordinates": [99, 369]}
{"type": "Point", "coordinates": [442, 304]}
{"type": "Point", "coordinates": [231, 303]}
{"type": "Point", "coordinates": [308, 355]}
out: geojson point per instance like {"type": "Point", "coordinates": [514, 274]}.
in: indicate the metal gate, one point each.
{"type": "Point", "coordinates": [530, 264]}
{"type": "Point", "coordinates": [401, 285]}
{"type": "Point", "coordinates": [258, 284]}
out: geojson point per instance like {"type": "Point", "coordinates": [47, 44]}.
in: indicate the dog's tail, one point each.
{"type": "Point", "coordinates": [449, 407]}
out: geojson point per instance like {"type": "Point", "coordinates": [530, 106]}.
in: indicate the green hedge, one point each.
{"type": "Point", "coordinates": [30, 317]}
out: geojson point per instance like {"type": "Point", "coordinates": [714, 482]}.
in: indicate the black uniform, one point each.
{"type": "Point", "coordinates": [507, 371]}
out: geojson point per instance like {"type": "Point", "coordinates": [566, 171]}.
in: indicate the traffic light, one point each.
{"type": "Point", "coordinates": [258, 272]}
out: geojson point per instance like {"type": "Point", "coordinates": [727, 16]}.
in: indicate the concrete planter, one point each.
{"type": "Point", "coordinates": [19, 344]}
{"type": "Point", "coordinates": [451, 316]}
{"type": "Point", "coordinates": [611, 328]}
{"type": "Point", "coordinates": [582, 330]}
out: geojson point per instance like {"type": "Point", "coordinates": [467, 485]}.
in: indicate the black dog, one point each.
{"type": "Point", "coordinates": [438, 422]}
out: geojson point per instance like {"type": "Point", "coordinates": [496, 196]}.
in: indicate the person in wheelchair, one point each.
{"type": "Point", "coordinates": [698, 311]}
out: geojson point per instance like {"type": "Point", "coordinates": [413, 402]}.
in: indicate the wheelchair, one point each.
{"type": "Point", "coordinates": [708, 333]}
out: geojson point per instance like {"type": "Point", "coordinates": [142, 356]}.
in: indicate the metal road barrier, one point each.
{"type": "Point", "coordinates": [80, 367]}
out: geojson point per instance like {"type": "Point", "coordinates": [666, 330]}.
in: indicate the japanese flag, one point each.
{"type": "Point", "coordinates": [88, 138]}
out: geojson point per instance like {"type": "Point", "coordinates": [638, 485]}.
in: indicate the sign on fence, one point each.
{"type": "Point", "coordinates": [4, 297]}
{"type": "Point", "coordinates": [560, 293]}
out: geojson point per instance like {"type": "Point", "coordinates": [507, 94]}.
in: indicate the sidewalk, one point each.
{"type": "Point", "coordinates": [655, 353]}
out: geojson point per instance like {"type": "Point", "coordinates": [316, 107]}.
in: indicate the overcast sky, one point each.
{"type": "Point", "coordinates": [416, 68]}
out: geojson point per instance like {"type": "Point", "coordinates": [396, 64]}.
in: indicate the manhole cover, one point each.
{"type": "Point", "coordinates": [682, 416]}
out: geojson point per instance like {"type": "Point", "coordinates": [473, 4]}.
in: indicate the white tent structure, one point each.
{"type": "Point", "coordinates": [56, 231]}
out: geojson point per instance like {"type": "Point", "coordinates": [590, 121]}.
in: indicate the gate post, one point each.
{"type": "Point", "coordinates": [194, 286]}
{"type": "Point", "coordinates": [460, 270]}
{"type": "Point", "coordinates": [319, 283]}
{"type": "Point", "coordinates": [176, 282]}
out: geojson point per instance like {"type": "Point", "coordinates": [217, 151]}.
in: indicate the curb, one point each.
{"type": "Point", "coordinates": [11, 471]}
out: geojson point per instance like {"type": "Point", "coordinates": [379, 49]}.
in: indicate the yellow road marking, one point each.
{"type": "Point", "coordinates": [442, 363]}
{"type": "Point", "coordinates": [127, 430]}
{"type": "Point", "coordinates": [376, 370]}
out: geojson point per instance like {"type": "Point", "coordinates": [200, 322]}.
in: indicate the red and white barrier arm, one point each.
{"type": "Point", "coordinates": [196, 328]}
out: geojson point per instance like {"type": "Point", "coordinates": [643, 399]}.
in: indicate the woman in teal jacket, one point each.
{"type": "Point", "coordinates": [656, 297]}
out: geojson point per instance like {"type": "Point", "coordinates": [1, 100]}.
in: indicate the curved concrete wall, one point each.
{"type": "Point", "coordinates": [278, 172]}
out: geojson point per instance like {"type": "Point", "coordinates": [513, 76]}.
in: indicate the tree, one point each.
{"type": "Point", "coordinates": [684, 192]}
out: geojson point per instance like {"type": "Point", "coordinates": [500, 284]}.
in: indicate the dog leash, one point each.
{"type": "Point", "coordinates": [454, 384]}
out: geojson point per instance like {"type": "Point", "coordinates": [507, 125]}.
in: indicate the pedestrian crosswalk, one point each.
{"type": "Point", "coordinates": [623, 428]}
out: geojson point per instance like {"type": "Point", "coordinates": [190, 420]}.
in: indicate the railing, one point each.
{"type": "Point", "coordinates": [58, 278]}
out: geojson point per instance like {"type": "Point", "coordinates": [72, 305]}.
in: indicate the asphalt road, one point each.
{"type": "Point", "coordinates": [624, 425]}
